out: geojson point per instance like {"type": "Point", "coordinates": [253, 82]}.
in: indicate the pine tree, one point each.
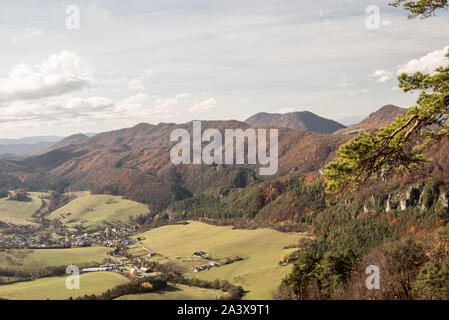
{"type": "Point", "coordinates": [398, 146]}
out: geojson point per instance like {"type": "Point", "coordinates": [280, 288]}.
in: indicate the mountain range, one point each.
{"type": "Point", "coordinates": [16, 149]}
{"type": "Point", "coordinates": [134, 162]}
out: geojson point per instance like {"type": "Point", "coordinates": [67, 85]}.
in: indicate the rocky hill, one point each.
{"type": "Point", "coordinates": [375, 120]}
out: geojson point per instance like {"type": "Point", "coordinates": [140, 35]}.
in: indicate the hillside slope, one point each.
{"type": "Point", "coordinates": [258, 272]}
{"type": "Point", "coordinates": [382, 117]}
{"type": "Point", "coordinates": [13, 151]}
{"type": "Point", "coordinates": [135, 162]}
{"type": "Point", "coordinates": [70, 140]}
{"type": "Point", "coordinates": [98, 211]}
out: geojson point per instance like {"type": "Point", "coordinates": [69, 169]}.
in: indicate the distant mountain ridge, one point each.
{"type": "Point", "coordinates": [31, 140]}
{"type": "Point", "coordinates": [135, 162]}
{"type": "Point", "coordinates": [301, 120]}
{"type": "Point", "coordinates": [70, 140]}
{"type": "Point", "coordinates": [15, 149]}
{"type": "Point", "coordinates": [380, 118]}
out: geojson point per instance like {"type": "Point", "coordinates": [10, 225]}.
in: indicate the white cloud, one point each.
{"type": "Point", "coordinates": [59, 74]}
{"type": "Point", "coordinates": [61, 108]}
{"type": "Point", "coordinates": [381, 75]}
{"type": "Point", "coordinates": [427, 63]}
{"type": "Point", "coordinates": [133, 103]}
{"type": "Point", "coordinates": [354, 93]}
{"type": "Point", "coordinates": [205, 105]}
{"type": "Point", "coordinates": [25, 34]}
{"type": "Point", "coordinates": [89, 104]}
{"type": "Point", "coordinates": [216, 50]}
{"type": "Point", "coordinates": [138, 82]}
{"type": "Point", "coordinates": [344, 82]}
{"type": "Point", "coordinates": [182, 95]}
{"type": "Point", "coordinates": [143, 106]}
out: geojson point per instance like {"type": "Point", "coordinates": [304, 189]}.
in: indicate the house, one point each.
{"type": "Point", "coordinates": [199, 254]}
{"type": "Point", "coordinates": [202, 267]}
{"type": "Point", "coordinates": [93, 269]}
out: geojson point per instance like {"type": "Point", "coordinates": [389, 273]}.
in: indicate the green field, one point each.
{"type": "Point", "coordinates": [18, 212]}
{"type": "Point", "coordinates": [259, 273]}
{"type": "Point", "coordinates": [98, 210]}
{"type": "Point", "coordinates": [31, 259]}
{"type": "Point", "coordinates": [178, 292]}
{"type": "Point", "coordinates": [54, 288]}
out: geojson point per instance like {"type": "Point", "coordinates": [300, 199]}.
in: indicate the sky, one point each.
{"type": "Point", "coordinates": [131, 61]}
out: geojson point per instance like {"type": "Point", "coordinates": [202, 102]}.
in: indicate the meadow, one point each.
{"type": "Point", "coordinates": [20, 212]}
{"type": "Point", "coordinates": [259, 273]}
{"type": "Point", "coordinates": [33, 259]}
{"type": "Point", "coordinates": [95, 211]}
{"type": "Point", "coordinates": [54, 288]}
{"type": "Point", "coordinates": [176, 292]}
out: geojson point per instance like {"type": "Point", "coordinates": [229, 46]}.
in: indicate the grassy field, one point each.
{"type": "Point", "coordinates": [54, 288]}
{"type": "Point", "coordinates": [18, 212]}
{"type": "Point", "coordinates": [259, 272]}
{"type": "Point", "coordinates": [98, 210]}
{"type": "Point", "coordinates": [178, 292]}
{"type": "Point", "coordinates": [31, 259]}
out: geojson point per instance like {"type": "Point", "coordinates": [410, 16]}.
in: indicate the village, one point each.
{"type": "Point", "coordinates": [36, 239]}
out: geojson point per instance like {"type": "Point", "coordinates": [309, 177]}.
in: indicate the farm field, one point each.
{"type": "Point", "coordinates": [20, 212]}
{"type": "Point", "coordinates": [54, 288]}
{"type": "Point", "coordinates": [259, 272]}
{"type": "Point", "coordinates": [94, 211]}
{"type": "Point", "coordinates": [30, 259]}
{"type": "Point", "coordinates": [178, 292]}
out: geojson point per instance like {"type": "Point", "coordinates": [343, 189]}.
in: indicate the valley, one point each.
{"type": "Point", "coordinates": [139, 227]}
{"type": "Point", "coordinates": [237, 151]}
{"type": "Point", "coordinates": [36, 259]}
{"type": "Point", "coordinates": [260, 250]}
{"type": "Point", "coordinates": [249, 258]}
{"type": "Point", "coordinates": [54, 288]}
{"type": "Point", "coordinates": [176, 292]}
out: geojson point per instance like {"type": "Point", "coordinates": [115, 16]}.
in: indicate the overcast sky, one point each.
{"type": "Point", "coordinates": [178, 60]}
